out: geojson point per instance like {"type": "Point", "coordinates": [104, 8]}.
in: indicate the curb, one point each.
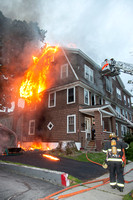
{"type": "Point", "coordinates": [55, 177]}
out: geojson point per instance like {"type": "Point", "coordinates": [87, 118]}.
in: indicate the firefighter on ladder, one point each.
{"type": "Point", "coordinates": [114, 150]}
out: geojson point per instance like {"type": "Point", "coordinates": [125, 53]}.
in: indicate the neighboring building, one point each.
{"type": "Point", "coordinates": [79, 99]}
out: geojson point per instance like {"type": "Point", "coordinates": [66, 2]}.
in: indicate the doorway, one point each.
{"type": "Point", "coordinates": [88, 128]}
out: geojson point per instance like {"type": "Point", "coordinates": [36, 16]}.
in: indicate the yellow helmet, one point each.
{"type": "Point", "coordinates": [113, 135]}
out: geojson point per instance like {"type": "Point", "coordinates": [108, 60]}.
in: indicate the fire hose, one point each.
{"type": "Point", "coordinates": [104, 181]}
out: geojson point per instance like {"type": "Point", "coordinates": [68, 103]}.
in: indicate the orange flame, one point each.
{"type": "Point", "coordinates": [35, 78]}
{"type": "Point", "coordinates": [51, 157]}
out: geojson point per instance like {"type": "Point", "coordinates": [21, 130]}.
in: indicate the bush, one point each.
{"type": "Point", "coordinates": [129, 152]}
{"type": "Point", "coordinates": [128, 139]}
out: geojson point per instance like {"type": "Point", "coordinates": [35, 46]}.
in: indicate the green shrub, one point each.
{"type": "Point", "coordinates": [129, 152]}
{"type": "Point", "coordinates": [128, 138]}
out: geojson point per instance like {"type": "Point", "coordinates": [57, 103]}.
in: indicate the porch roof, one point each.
{"type": "Point", "coordinates": [104, 113]}
{"type": "Point", "coordinates": [101, 109]}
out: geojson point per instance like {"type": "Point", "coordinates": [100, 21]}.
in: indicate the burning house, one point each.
{"type": "Point", "coordinates": [68, 99]}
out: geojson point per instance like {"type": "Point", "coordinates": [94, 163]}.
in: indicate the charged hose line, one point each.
{"type": "Point", "coordinates": [105, 181]}
{"type": "Point", "coordinates": [92, 161]}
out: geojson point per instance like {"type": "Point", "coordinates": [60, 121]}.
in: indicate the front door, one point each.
{"type": "Point", "coordinates": [88, 128]}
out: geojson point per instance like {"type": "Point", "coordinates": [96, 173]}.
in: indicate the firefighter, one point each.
{"type": "Point", "coordinates": [114, 150]}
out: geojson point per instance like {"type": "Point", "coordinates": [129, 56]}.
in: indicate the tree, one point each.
{"type": "Point", "coordinates": [19, 40]}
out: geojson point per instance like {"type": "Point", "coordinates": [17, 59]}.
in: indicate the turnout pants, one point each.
{"type": "Point", "coordinates": [116, 174]}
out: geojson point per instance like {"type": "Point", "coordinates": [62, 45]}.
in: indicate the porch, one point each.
{"type": "Point", "coordinates": [102, 120]}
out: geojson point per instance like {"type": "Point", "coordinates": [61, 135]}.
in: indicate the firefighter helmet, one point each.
{"type": "Point", "coordinates": [113, 135]}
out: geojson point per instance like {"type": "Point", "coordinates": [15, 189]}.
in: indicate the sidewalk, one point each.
{"type": "Point", "coordinates": [104, 192]}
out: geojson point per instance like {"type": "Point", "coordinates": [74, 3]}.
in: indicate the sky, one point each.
{"type": "Point", "coordinates": [100, 28]}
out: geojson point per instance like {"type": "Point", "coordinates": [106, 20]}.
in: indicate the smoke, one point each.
{"type": "Point", "coordinates": [101, 29]}
{"type": "Point", "coordinates": [28, 10]}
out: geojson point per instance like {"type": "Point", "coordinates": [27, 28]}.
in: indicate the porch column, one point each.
{"type": "Point", "coordinates": [113, 124]}
{"type": "Point", "coordinates": [98, 130]}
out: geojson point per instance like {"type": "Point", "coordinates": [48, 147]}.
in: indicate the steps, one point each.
{"type": "Point", "coordinates": [91, 145]}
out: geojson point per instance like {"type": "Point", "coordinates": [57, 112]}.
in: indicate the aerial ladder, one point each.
{"type": "Point", "coordinates": [114, 68]}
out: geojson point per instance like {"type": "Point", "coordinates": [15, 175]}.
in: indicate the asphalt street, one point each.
{"type": "Point", "coordinates": [18, 187]}
{"type": "Point", "coordinates": [81, 170]}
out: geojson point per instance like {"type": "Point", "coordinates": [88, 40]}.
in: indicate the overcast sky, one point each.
{"type": "Point", "coordinates": [100, 28]}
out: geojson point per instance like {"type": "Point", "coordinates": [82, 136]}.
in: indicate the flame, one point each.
{"type": "Point", "coordinates": [35, 78]}
{"type": "Point", "coordinates": [36, 145]}
{"type": "Point", "coordinates": [51, 157]}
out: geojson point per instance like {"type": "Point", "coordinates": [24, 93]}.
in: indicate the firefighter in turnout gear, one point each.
{"type": "Point", "coordinates": [114, 150]}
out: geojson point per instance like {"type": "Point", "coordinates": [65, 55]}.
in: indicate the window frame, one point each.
{"type": "Point", "coordinates": [92, 94]}
{"type": "Point", "coordinates": [125, 100]}
{"type": "Point", "coordinates": [118, 109]}
{"type": "Point", "coordinates": [117, 94]}
{"type": "Point", "coordinates": [29, 131]}
{"type": "Point", "coordinates": [128, 102]}
{"type": "Point", "coordinates": [123, 132]}
{"type": "Point", "coordinates": [88, 73]}
{"type": "Point", "coordinates": [65, 66]}
{"type": "Point", "coordinates": [49, 100]}
{"type": "Point", "coordinates": [109, 87]}
{"type": "Point", "coordinates": [74, 125]}
{"type": "Point", "coordinates": [68, 95]}
{"type": "Point", "coordinates": [85, 97]}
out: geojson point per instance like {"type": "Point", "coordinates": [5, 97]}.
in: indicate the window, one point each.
{"type": "Point", "coordinates": [93, 99]}
{"type": "Point", "coordinates": [100, 101]}
{"type": "Point", "coordinates": [64, 71]}
{"type": "Point", "coordinates": [118, 93]}
{"type": "Point", "coordinates": [130, 116]}
{"type": "Point", "coordinates": [123, 112]}
{"type": "Point", "coordinates": [109, 85]}
{"type": "Point", "coordinates": [71, 124]}
{"type": "Point", "coordinates": [125, 100]}
{"type": "Point", "coordinates": [88, 73]}
{"type": "Point", "coordinates": [52, 100]}
{"type": "Point", "coordinates": [86, 97]}
{"type": "Point", "coordinates": [70, 95]}
{"type": "Point", "coordinates": [107, 102]}
{"type": "Point", "coordinates": [128, 101]}
{"type": "Point", "coordinates": [118, 110]}
{"type": "Point", "coordinates": [31, 127]}
{"type": "Point", "coordinates": [126, 114]}
{"type": "Point", "coordinates": [123, 130]}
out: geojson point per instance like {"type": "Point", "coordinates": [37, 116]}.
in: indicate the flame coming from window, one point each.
{"type": "Point", "coordinates": [51, 157]}
{"type": "Point", "coordinates": [35, 78]}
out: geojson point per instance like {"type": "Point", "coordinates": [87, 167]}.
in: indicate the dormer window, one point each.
{"type": "Point", "coordinates": [88, 73]}
{"type": "Point", "coordinates": [64, 71]}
